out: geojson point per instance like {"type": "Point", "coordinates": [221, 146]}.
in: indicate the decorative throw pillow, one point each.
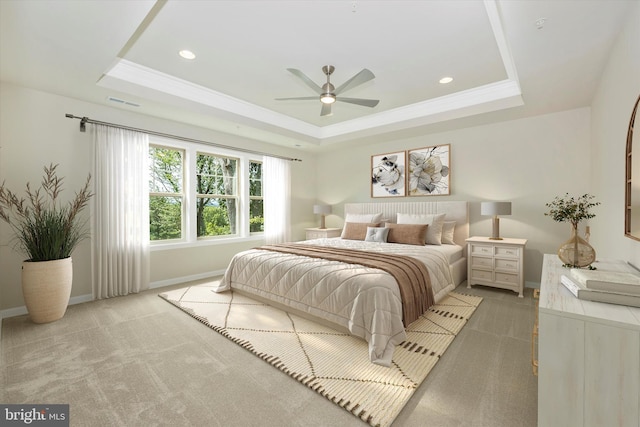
{"type": "Point", "coordinates": [408, 234]}
{"type": "Point", "coordinates": [356, 230]}
{"type": "Point", "coordinates": [448, 228]}
{"type": "Point", "coordinates": [377, 234]}
{"type": "Point", "coordinates": [435, 222]}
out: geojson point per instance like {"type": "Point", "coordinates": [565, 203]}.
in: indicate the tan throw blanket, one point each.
{"type": "Point", "coordinates": [411, 274]}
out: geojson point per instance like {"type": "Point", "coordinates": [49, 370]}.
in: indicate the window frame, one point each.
{"type": "Point", "coordinates": [189, 230]}
{"type": "Point", "coordinates": [260, 197]}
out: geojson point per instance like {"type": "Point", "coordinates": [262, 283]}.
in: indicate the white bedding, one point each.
{"type": "Point", "coordinates": [364, 300]}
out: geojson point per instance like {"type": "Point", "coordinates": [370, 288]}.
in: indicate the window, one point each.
{"type": "Point", "coordinates": [197, 196]}
{"type": "Point", "coordinates": [216, 195]}
{"type": "Point", "coordinates": [256, 211]}
{"type": "Point", "coordinates": [166, 194]}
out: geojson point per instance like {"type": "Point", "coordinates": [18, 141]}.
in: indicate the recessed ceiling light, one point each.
{"type": "Point", "coordinates": [446, 80]}
{"type": "Point", "coordinates": [187, 54]}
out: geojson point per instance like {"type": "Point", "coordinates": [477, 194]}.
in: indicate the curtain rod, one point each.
{"type": "Point", "coordinates": [85, 120]}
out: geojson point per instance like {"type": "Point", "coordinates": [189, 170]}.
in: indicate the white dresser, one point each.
{"type": "Point", "coordinates": [588, 356]}
{"type": "Point", "coordinates": [497, 263]}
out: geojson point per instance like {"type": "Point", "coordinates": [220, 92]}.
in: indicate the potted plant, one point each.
{"type": "Point", "coordinates": [575, 252]}
{"type": "Point", "coordinates": [47, 231]}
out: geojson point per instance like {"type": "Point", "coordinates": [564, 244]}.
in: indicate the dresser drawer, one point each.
{"type": "Point", "coordinates": [481, 250]}
{"type": "Point", "coordinates": [507, 252]}
{"type": "Point", "coordinates": [507, 264]}
{"type": "Point", "coordinates": [477, 261]}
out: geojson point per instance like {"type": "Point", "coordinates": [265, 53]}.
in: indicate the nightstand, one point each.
{"type": "Point", "coordinates": [319, 233]}
{"type": "Point", "coordinates": [496, 263]}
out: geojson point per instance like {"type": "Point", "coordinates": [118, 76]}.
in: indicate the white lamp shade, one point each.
{"type": "Point", "coordinates": [322, 209]}
{"type": "Point", "coordinates": [495, 208]}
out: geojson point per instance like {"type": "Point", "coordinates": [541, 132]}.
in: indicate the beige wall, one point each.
{"type": "Point", "coordinates": [34, 132]}
{"type": "Point", "coordinates": [611, 111]}
{"type": "Point", "coordinates": [527, 162]}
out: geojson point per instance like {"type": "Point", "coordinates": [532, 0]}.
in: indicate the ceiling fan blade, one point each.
{"type": "Point", "coordinates": [362, 77]}
{"type": "Point", "coordinates": [326, 110]}
{"type": "Point", "coordinates": [305, 98]}
{"type": "Point", "coordinates": [359, 101]}
{"type": "Point", "coordinates": [302, 76]}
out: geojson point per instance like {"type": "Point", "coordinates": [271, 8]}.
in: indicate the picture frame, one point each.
{"type": "Point", "coordinates": [429, 171]}
{"type": "Point", "coordinates": [388, 177]}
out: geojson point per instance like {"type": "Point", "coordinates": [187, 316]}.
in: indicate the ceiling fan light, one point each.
{"type": "Point", "coordinates": [327, 98]}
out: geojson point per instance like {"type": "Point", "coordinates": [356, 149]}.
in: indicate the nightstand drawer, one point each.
{"type": "Point", "coordinates": [513, 279]}
{"type": "Point", "coordinates": [482, 274]}
{"type": "Point", "coordinates": [481, 250]}
{"type": "Point", "coordinates": [477, 261]}
{"type": "Point", "coordinates": [507, 252]}
{"type": "Point", "coordinates": [507, 264]}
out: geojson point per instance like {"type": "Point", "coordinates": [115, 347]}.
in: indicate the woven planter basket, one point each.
{"type": "Point", "coordinates": [46, 287]}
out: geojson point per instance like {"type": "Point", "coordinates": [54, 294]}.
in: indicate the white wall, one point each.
{"type": "Point", "coordinates": [34, 132]}
{"type": "Point", "coordinates": [611, 110]}
{"type": "Point", "coordinates": [527, 162]}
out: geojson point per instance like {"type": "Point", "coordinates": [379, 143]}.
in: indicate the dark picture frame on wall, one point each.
{"type": "Point", "coordinates": [429, 171]}
{"type": "Point", "coordinates": [388, 177]}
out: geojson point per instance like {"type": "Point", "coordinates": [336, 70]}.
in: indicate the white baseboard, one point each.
{"type": "Point", "coordinates": [185, 279]}
{"type": "Point", "coordinates": [533, 285]}
{"type": "Point", "coordinates": [19, 311]}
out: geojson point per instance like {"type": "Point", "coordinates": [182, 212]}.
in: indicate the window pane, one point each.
{"type": "Point", "coordinates": [216, 216]}
{"type": "Point", "coordinates": [165, 218]}
{"type": "Point", "coordinates": [255, 179]}
{"type": "Point", "coordinates": [256, 216]}
{"type": "Point", "coordinates": [165, 170]}
{"type": "Point", "coordinates": [216, 175]}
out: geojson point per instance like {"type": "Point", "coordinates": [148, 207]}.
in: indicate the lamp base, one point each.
{"type": "Point", "coordinates": [495, 233]}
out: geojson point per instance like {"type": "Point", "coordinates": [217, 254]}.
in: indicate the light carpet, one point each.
{"type": "Point", "coordinates": [334, 364]}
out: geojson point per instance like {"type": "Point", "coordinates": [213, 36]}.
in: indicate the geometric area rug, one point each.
{"type": "Point", "coordinates": [334, 364]}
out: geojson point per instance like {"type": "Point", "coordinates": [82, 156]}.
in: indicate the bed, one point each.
{"type": "Point", "coordinates": [346, 287]}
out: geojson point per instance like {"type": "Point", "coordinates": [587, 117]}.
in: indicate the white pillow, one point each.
{"type": "Point", "coordinates": [434, 231]}
{"type": "Point", "coordinates": [448, 228]}
{"type": "Point", "coordinates": [377, 234]}
{"type": "Point", "coordinates": [368, 218]}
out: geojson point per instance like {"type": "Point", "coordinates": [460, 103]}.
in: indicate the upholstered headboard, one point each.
{"type": "Point", "coordinates": [455, 211]}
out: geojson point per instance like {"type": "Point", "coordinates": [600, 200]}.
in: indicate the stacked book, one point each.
{"type": "Point", "coordinates": [614, 287]}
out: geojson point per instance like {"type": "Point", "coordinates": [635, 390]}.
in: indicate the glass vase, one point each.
{"type": "Point", "coordinates": [576, 252]}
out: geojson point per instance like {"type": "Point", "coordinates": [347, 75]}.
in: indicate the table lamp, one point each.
{"type": "Point", "coordinates": [495, 209]}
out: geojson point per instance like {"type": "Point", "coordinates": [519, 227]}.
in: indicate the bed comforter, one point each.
{"type": "Point", "coordinates": [364, 300]}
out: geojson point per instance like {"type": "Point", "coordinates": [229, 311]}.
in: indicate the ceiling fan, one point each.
{"type": "Point", "coordinates": [329, 94]}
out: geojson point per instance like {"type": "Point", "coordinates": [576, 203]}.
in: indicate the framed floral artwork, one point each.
{"type": "Point", "coordinates": [388, 175]}
{"type": "Point", "coordinates": [429, 173]}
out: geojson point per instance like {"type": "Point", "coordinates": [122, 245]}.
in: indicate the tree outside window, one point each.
{"type": "Point", "coordinates": [166, 195]}
{"type": "Point", "coordinates": [256, 211]}
{"type": "Point", "coordinates": [217, 194]}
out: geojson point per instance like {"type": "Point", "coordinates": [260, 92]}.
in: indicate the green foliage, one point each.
{"type": "Point", "coordinates": [165, 218]}
{"type": "Point", "coordinates": [45, 230]}
{"type": "Point", "coordinates": [216, 188]}
{"type": "Point", "coordinates": [571, 209]}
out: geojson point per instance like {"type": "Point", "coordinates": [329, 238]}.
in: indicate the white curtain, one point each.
{"type": "Point", "coordinates": [277, 200]}
{"type": "Point", "coordinates": [120, 220]}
